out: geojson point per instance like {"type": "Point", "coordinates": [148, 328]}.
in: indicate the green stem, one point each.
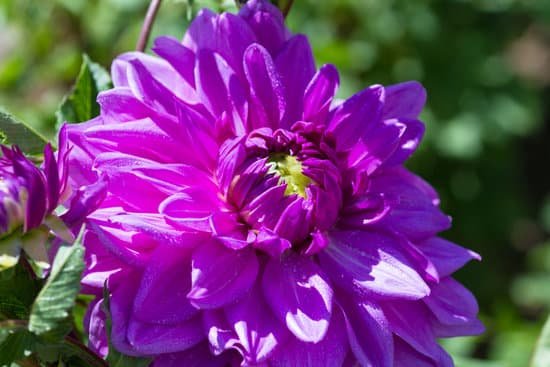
{"type": "Point", "coordinates": [84, 352]}
{"type": "Point", "coordinates": [148, 24]}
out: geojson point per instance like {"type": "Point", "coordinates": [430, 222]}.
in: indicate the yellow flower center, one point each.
{"type": "Point", "coordinates": [289, 170]}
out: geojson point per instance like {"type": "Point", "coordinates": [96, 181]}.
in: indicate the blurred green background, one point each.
{"type": "Point", "coordinates": [485, 64]}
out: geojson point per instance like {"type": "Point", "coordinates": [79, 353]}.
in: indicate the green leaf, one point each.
{"type": "Point", "coordinates": [541, 357]}
{"type": "Point", "coordinates": [81, 105]}
{"type": "Point", "coordinates": [18, 289]}
{"type": "Point", "coordinates": [15, 347]}
{"type": "Point", "coordinates": [13, 131]}
{"type": "Point", "coordinates": [51, 309]}
{"type": "Point", "coordinates": [115, 358]}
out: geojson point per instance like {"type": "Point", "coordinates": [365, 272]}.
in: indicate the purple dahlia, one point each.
{"type": "Point", "coordinates": [251, 219]}
{"type": "Point", "coordinates": [28, 197]}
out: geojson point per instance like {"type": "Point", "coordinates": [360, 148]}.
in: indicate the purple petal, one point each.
{"type": "Point", "coordinates": [380, 142]}
{"type": "Point", "coordinates": [409, 141]}
{"type": "Point", "coordinates": [152, 80]}
{"type": "Point", "coordinates": [405, 355]}
{"type": "Point", "coordinates": [178, 56]}
{"type": "Point", "coordinates": [162, 295]}
{"type": "Point", "coordinates": [267, 23]}
{"type": "Point", "coordinates": [267, 102]}
{"type": "Point", "coordinates": [352, 119]}
{"type": "Point", "coordinates": [197, 356]}
{"type": "Point", "coordinates": [300, 295]}
{"type": "Point", "coordinates": [147, 338]}
{"type": "Point", "coordinates": [52, 178]}
{"type": "Point", "coordinates": [411, 322]}
{"type": "Point", "coordinates": [84, 201]}
{"type": "Point", "coordinates": [373, 263]}
{"type": "Point", "coordinates": [94, 324]}
{"type": "Point", "coordinates": [139, 137]}
{"type": "Point", "coordinates": [257, 329]}
{"type": "Point", "coordinates": [455, 308]}
{"type": "Point", "coordinates": [220, 89]}
{"type": "Point", "coordinates": [414, 212]}
{"type": "Point", "coordinates": [220, 276]}
{"type": "Point", "coordinates": [296, 65]}
{"type": "Point", "coordinates": [120, 303]}
{"type": "Point", "coordinates": [132, 248]}
{"type": "Point", "coordinates": [225, 34]}
{"type": "Point", "coordinates": [446, 256]}
{"type": "Point", "coordinates": [319, 94]}
{"type": "Point", "coordinates": [36, 186]}
{"type": "Point", "coordinates": [369, 334]}
{"type": "Point", "coordinates": [404, 100]}
{"type": "Point", "coordinates": [329, 352]}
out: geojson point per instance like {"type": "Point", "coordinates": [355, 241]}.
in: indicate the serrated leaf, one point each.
{"type": "Point", "coordinates": [541, 356]}
{"type": "Point", "coordinates": [68, 353]}
{"type": "Point", "coordinates": [54, 302]}
{"type": "Point", "coordinates": [81, 105]}
{"type": "Point", "coordinates": [18, 289]}
{"type": "Point", "coordinates": [115, 358]}
{"type": "Point", "coordinates": [15, 346]}
{"type": "Point", "coordinates": [14, 131]}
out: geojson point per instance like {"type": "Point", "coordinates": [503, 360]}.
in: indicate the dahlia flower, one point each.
{"type": "Point", "coordinates": [251, 219]}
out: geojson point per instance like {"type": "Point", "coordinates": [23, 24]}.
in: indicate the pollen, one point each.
{"type": "Point", "coordinates": [289, 170]}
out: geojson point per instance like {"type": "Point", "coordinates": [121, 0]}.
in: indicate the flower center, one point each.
{"type": "Point", "coordinates": [289, 170]}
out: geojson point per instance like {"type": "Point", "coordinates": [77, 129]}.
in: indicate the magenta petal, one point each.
{"type": "Point", "coordinates": [296, 66]}
{"type": "Point", "coordinates": [372, 262]}
{"type": "Point", "coordinates": [320, 93]}
{"type": "Point", "coordinates": [147, 338]}
{"type": "Point", "coordinates": [258, 330]}
{"type": "Point", "coordinates": [120, 303]}
{"type": "Point", "coordinates": [329, 352]}
{"type": "Point", "coordinates": [267, 95]}
{"type": "Point", "coordinates": [404, 100]}
{"type": "Point", "coordinates": [52, 178]}
{"type": "Point", "coordinates": [162, 295]}
{"type": "Point", "coordinates": [94, 323]}
{"type": "Point", "coordinates": [220, 89]}
{"type": "Point", "coordinates": [300, 295]}
{"type": "Point", "coordinates": [219, 275]}
{"type": "Point", "coordinates": [369, 334]}
{"type": "Point", "coordinates": [180, 57]}
{"type": "Point", "coordinates": [225, 34]}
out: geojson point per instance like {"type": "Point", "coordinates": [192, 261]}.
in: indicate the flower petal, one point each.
{"type": "Point", "coordinates": [369, 334]}
{"type": "Point", "coordinates": [373, 263]}
{"type": "Point", "coordinates": [296, 65]}
{"type": "Point", "coordinates": [162, 295]}
{"type": "Point", "coordinates": [219, 275]}
{"type": "Point", "coordinates": [352, 119]}
{"type": "Point", "coordinates": [329, 352]}
{"type": "Point", "coordinates": [258, 331]}
{"type": "Point", "coordinates": [319, 94]}
{"type": "Point", "coordinates": [446, 256]}
{"type": "Point", "coordinates": [148, 338]}
{"type": "Point", "coordinates": [300, 295]}
{"type": "Point", "coordinates": [267, 23]}
{"type": "Point", "coordinates": [404, 100]}
{"type": "Point", "coordinates": [267, 95]}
